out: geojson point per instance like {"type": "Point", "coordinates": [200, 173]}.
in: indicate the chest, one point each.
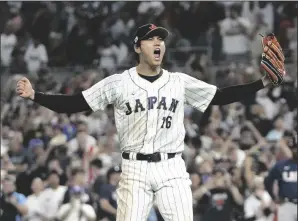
{"type": "Point", "coordinates": [53, 197]}
{"type": "Point", "coordinates": [169, 98]}
{"type": "Point", "coordinates": [289, 176]}
{"type": "Point", "coordinates": [34, 54]}
{"type": "Point", "coordinates": [17, 158]}
{"type": "Point", "coordinates": [8, 42]}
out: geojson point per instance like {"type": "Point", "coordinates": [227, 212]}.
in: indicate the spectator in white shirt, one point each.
{"type": "Point", "coordinates": [259, 27]}
{"type": "Point", "coordinates": [234, 30]}
{"type": "Point", "coordinates": [108, 55]}
{"type": "Point", "coordinates": [33, 200]}
{"type": "Point", "coordinates": [36, 56]}
{"type": "Point", "coordinates": [83, 142]}
{"type": "Point", "coordinates": [8, 43]}
{"type": "Point", "coordinates": [155, 7]}
{"type": "Point", "coordinates": [257, 206]}
{"type": "Point", "coordinates": [51, 198]}
{"type": "Point", "coordinates": [76, 209]}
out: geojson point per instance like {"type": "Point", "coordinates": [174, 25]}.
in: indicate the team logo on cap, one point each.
{"type": "Point", "coordinates": [136, 39]}
{"type": "Point", "coordinates": [152, 27]}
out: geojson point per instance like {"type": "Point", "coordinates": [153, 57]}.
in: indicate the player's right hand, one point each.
{"type": "Point", "coordinates": [24, 88]}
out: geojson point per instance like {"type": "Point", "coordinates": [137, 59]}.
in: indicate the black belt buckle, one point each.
{"type": "Point", "coordinates": [155, 157]}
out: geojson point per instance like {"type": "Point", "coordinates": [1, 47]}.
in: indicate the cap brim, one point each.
{"type": "Point", "coordinates": [159, 31]}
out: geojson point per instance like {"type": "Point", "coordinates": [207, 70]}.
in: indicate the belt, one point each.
{"type": "Point", "coordinates": [155, 157]}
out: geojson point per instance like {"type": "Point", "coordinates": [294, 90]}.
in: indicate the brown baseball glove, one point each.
{"type": "Point", "coordinates": [273, 59]}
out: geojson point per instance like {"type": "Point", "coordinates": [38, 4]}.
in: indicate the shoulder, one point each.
{"type": "Point", "coordinates": [225, 22]}
{"type": "Point", "coordinates": [41, 46]}
{"type": "Point", "coordinates": [280, 164]}
{"type": "Point", "coordinates": [63, 188]}
{"type": "Point", "coordinates": [64, 207]}
{"type": "Point", "coordinates": [114, 78]}
{"type": "Point", "coordinates": [47, 191]}
{"type": "Point", "coordinates": [21, 198]}
{"type": "Point", "coordinates": [178, 76]}
{"type": "Point", "coordinates": [106, 188]}
{"type": "Point", "coordinates": [244, 21]}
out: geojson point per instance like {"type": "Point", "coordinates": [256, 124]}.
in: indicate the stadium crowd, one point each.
{"type": "Point", "coordinates": [66, 167]}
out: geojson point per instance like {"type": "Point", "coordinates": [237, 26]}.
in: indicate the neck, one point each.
{"type": "Point", "coordinates": [114, 183]}
{"type": "Point", "coordinates": [37, 193]}
{"type": "Point", "coordinates": [55, 187]}
{"type": "Point", "coordinates": [147, 70]}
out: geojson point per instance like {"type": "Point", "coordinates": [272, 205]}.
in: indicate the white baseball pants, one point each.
{"type": "Point", "coordinates": [165, 183]}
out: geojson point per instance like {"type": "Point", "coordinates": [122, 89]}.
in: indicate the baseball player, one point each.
{"type": "Point", "coordinates": [149, 106]}
{"type": "Point", "coordinates": [285, 173]}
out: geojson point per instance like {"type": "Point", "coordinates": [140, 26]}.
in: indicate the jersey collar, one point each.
{"type": "Point", "coordinates": [143, 83]}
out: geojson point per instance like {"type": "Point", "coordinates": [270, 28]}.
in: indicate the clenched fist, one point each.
{"type": "Point", "coordinates": [24, 88]}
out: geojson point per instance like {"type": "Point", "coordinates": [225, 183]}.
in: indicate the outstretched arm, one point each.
{"type": "Point", "coordinates": [95, 98]}
{"type": "Point", "coordinates": [237, 93]}
{"type": "Point", "coordinates": [62, 103]}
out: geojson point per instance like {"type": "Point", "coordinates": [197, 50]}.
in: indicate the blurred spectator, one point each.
{"type": "Point", "coordinates": [36, 149]}
{"type": "Point", "coordinates": [78, 179]}
{"type": "Point", "coordinates": [108, 201]}
{"type": "Point", "coordinates": [33, 200]}
{"type": "Point", "coordinates": [99, 178]}
{"type": "Point", "coordinates": [17, 154]}
{"type": "Point", "coordinates": [55, 165]}
{"type": "Point", "coordinates": [122, 26]}
{"type": "Point", "coordinates": [108, 55]}
{"type": "Point", "coordinates": [77, 36]}
{"type": "Point", "coordinates": [151, 7]}
{"type": "Point", "coordinates": [258, 27]}
{"type": "Point", "coordinates": [36, 56]}
{"type": "Point", "coordinates": [258, 205]}
{"type": "Point", "coordinates": [220, 198]}
{"type": "Point", "coordinates": [18, 65]}
{"type": "Point", "coordinates": [76, 210]}
{"type": "Point", "coordinates": [52, 197]}
{"type": "Point", "coordinates": [233, 29]}
{"type": "Point", "coordinates": [8, 43]}
{"type": "Point", "coordinates": [83, 142]}
{"type": "Point", "coordinates": [13, 204]}
{"type": "Point", "coordinates": [278, 131]}
{"type": "Point", "coordinates": [80, 46]}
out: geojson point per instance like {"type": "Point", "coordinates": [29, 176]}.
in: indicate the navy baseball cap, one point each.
{"type": "Point", "coordinates": [112, 170]}
{"type": "Point", "coordinates": [150, 30]}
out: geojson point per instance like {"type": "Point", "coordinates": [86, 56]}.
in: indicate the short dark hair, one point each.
{"type": "Point", "coordinates": [81, 122]}
{"type": "Point", "coordinates": [76, 171]}
{"type": "Point", "coordinates": [51, 172]}
{"type": "Point", "coordinates": [97, 163]}
{"type": "Point", "coordinates": [137, 56]}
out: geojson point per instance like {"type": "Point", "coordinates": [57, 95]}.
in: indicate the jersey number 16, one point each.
{"type": "Point", "coordinates": [166, 122]}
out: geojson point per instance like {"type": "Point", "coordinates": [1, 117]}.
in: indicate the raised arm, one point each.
{"type": "Point", "coordinates": [237, 93]}
{"type": "Point", "coordinates": [95, 98]}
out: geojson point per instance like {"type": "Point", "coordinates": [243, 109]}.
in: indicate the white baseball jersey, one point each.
{"type": "Point", "coordinates": [150, 116]}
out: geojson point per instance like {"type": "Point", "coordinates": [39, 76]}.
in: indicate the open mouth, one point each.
{"type": "Point", "coordinates": [157, 53]}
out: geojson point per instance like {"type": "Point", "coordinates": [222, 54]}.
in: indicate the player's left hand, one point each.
{"type": "Point", "coordinates": [273, 59]}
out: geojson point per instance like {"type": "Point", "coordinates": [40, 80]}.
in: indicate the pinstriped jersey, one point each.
{"type": "Point", "coordinates": [149, 116]}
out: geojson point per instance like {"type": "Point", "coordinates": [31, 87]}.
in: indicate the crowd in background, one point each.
{"type": "Point", "coordinates": [67, 166]}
